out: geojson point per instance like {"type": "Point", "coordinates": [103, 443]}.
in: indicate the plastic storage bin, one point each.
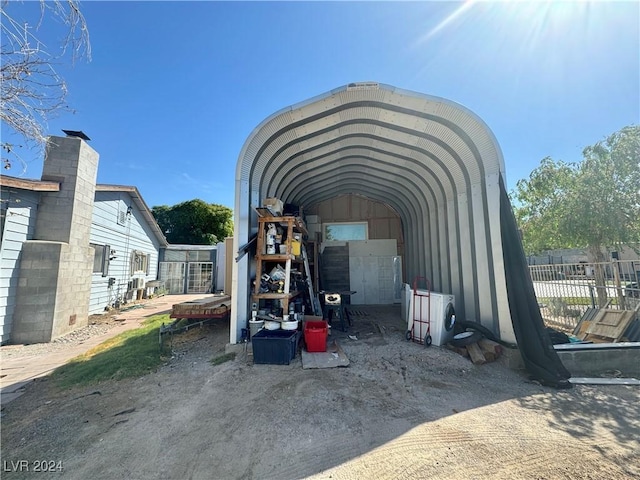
{"type": "Point", "coordinates": [315, 335]}
{"type": "Point", "coordinates": [275, 347]}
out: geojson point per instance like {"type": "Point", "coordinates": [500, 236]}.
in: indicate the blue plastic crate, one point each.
{"type": "Point", "coordinates": [275, 347]}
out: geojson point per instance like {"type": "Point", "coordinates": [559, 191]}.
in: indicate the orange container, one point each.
{"type": "Point", "coordinates": [315, 335]}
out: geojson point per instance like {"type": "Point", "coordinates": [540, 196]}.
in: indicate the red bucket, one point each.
{"type": "Point", "coordinates": [315, 336]}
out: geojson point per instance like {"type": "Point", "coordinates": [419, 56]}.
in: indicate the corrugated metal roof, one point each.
{"type": "Point", "coordinates": [425, 156]}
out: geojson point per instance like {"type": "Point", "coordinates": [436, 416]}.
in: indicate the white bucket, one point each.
{"type": "Point", "coordinates": [293, 325]}
{"type": "Point", "coordinates": [255, 326]}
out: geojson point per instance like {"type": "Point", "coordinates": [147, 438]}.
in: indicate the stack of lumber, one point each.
{"type": "Point", "coordinates": [210, 307]}
{"type": "Point", "coordinates": [480, 352]}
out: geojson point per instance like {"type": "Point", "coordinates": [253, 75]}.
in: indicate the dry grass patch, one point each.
{"type": "Point", "coordinates": [130, 354]}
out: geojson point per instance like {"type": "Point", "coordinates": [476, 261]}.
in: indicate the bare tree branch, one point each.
{"type": "Point", "coordinates": [31, 91]}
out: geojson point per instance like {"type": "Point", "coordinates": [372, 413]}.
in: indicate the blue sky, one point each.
{"type": "Point", "coordinates": [174, 89]}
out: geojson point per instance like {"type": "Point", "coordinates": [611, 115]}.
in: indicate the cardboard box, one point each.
{"type": "Point", "coordinates": [275, 205]}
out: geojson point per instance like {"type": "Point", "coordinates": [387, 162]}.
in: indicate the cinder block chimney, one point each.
{"type": "Point", "coordinates": [56, 266]}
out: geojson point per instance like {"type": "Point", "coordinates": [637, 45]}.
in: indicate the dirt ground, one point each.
{"type": "Point", "coordinates": [398, 411]}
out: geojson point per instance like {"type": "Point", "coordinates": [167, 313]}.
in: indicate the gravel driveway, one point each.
{"type": "Point", "coordinates": [399, 411]}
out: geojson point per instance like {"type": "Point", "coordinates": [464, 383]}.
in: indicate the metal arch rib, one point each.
{"type": "Point", "coordinates": [318, 134]}
{"type": "Point", "coordinates": [452, 153]}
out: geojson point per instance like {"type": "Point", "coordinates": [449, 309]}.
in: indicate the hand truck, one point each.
{"type": "Point", "coordinates": [419, 322]}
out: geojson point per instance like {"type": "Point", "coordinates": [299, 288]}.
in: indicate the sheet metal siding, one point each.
{"type": "Point", "coordinates": [381, 187]}
{"type": "Point", "coordinates": [266, 134]}
{"type": "Point", "coordinates": [442, 255]}
{"type": "Point", "coordinates": [351, 173]}
{"type": "Point", "coordinates": [21, 210]}
{"type": "Point", "coordinates": [424, 144]}
{"type": "Point", "coordinates": [497, 278]}
{"type": "Point", "coordinates": [135, 234]}
{"type": "Point", "coordinates": [371, 119]}
{"type": "Point", "coordinates": [447, 154]}
{"type": "Point", "coordinates": [379, 94]}
{"type": "Point", "coordinates": [483, 266]}
{"type": "Point", "coordinates": [265, 151]}
{"type": "Point", "coordinates": [425, 172]}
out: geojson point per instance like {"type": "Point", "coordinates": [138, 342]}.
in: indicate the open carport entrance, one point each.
{"type": "Point", "coordinates": [431, 161]}
{"type": "Point", "coordinates": [356, 244]}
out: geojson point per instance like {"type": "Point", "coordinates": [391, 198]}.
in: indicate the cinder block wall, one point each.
{"type": "Point", "coordinates": [55, 269]}
{"type": "Point", "coordinates": [65, 216]}
{"type": "Point", "coordinates": [37, 291]}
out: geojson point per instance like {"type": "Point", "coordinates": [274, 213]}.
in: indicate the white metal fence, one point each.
{"type": "Point", "coordinates": [566, 291]}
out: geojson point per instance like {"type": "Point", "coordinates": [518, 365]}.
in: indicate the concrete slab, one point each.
{"type": "Point", "coordinates": [595, 360]}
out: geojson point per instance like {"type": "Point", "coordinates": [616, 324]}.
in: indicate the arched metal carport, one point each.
{"type": "Point", "coordinates": [433, 161]}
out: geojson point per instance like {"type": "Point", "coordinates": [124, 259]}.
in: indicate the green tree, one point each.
{"type": "Point", "coordinates": [194, 222]}
{"type": "Point", "coordinates": [593, 204]}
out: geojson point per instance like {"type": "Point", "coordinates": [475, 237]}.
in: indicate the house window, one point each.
{"type": "Point", "coordinates": [101, 259]}
{"type": "Point", "coordinates": [140, 262]}
{"type": "Point", "coordinates": [175, 256]}
{"type": "Point", "coordinates": [345, 231]}
{"type": "Point", "coordinates": [199, 255]}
